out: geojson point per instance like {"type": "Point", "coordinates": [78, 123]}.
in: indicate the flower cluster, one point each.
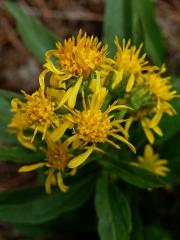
{"type": "Point", "coordinates": [86, 101]}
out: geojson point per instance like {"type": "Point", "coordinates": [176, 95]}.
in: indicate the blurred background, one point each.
{"type": "Point", "coordinates": [19, 68]}
{"type": "Point", "coordinates": [21, 56]}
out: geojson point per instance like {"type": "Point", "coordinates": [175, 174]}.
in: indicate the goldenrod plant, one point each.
{"type": "Point", "coordinates": [98, 126]}
{"type": "Point", "coordinates": [71, 113]}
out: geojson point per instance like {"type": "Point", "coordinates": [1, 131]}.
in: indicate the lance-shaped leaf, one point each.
{"type": "Point", "coordinates": [35, 35]}
{"type": "Point", "coordinates": [20, 154]}
{"type": "Point", "coordinates": [133, 175]}
{"type": "Point", "coordinates": [34, 206]}
{"type": "Point", "coordinates": [117, 21]}
{"type": "Point", "coordinates": [114, 217]}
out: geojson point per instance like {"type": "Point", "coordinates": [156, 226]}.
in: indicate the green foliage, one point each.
{"type": "Point", "coordinates": [137, 231]}
{"type": "Point", "coordinates": [19, 154]}
{"type": "Point", "coordinates": [113, 211]}
{"type": "Point", "coordinates": [35, 35]}
{"type": "Point", "coordinates": [134, 19]}
{"type": "Point", "coordinates": [170, 150]}
{"type": "Point", "coordinates": [5, 100]}
{"type": "Point", "coordinates": [155, 233]}
{"type": "Point", "coordinates": [118, 216]}
{"type": "Point", "coordinates": [34, 206]}
{"type": "Point", "coordinates": [117, 21]}
{"type": "Point", "coordinates": [143, 11]}
{"type": "Point", "coordinates": [133, 175]}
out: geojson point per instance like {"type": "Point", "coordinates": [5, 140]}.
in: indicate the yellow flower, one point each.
{"type": "Point", "coordinates": [76, 59]}
{"type": "Point", "coordinates": [36, 113]}
{"type": "Point", "coordinates": [18, 123]}
{"type": "Point", "coordinates": [92, 125]}
{"type": "Point", "coordinates": [57, 158]}
{"type": "Point", "coordinates": [128, 63]}
{"type": "Point", "coordinates": [151, 162]}
{"type": "Point", "coordinates": [143, 116]}
{"type": "Point", "coordinates": [159, 93]}
{"type": "Point", "coordinates": [161, 89]}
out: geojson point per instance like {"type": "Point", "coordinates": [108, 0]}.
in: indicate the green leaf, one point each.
{"type": "Point", "coordinates": [117, 21]}
{"type": "Point", "coordinates": [137, 28]}
{"type": "Point", "coordinates": [113, 211]}
{"type": "Point", "coordinates": [170, 150]}
{"type": "Point", "coordinates": [76, 222]}
{"type": "Point", "coordinates": [143, 12]}
{"type": "Point", "coordinates": [19, 154]}
{"type": "Point", "coordinates": [5, 103]}
{"type": "Point", "coordinates": [133, 175]}
{"type": "Point", "coordinates": [35, 35]}
{"type": "Point", "coordinates": [9, 95]}
{"type": "Point", "coordinates": [34, 206]}
{"type": "Point", "coordinates": [156, 233]}
{"type": "Point", "coordinates": [137, 231]}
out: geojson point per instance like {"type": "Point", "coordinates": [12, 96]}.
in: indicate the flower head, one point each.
{"type": "Point", "coordinates": [57, 158]}
{"type": "Point", "coordinates": [37, 113]}
{"type": "Point", "coordinates": [76, 60]}
{"type": "Point", "coordinates": [153, 103]}
{"type": "Point", "coordinates": [159, 86]}
{"type": "Point", "coordinates": [92, 125]}
{"type": "Point", "coordinates": [151, 162]}
{"type": "Point", "coordinates": [144, 116]}
{"type": "Point", "coordinates": [77, 57]}
{"type": "Point", "coordinates": [129, 63]}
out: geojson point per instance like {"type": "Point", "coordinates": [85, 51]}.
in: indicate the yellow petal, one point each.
{"type": "Point", "coordinates": [58, 94]}
{"type": "Point", "coordinates": [128, 123]}
{"type": "Point", "coordinates": [31, 167]}
{"type": "Point", "coordinates": [130, 83]}
{"type": "Point", "coordinates": [34, 134]}
{"type": "Point", "coordinates": [98, 98]}
{"type": "Point", "coordinates": [118, 107]}
{"type": "Point", "coordinates": [140, 159]}
{"type": "Point", "coordinates": [149, 135]}
{"type": "Point", "coordinates": [50, 53]}
{"type": "Point", "coordinates": [118, 75]}
{"type": "Point", "coordinates": [25, 141]}
{"type": "Point", "coordinates": [73, 172]}
{"type": "Point", "coordinates": [49, 65]}
{"type": "Point", "coordinates": [92, 85]}
{"type": "Point", "coordinates": [122, 139]}
{"type": "Point", "coordinates": [99, 150]}
{"type": "Point", "coordinates": [148, 151]}
{"type": "Point", "coordinates": [97, 82]}
{"type": "Point", "coordinates": [59, 132]}
{"type": "Point", "coordinates": [162, 172]}
{"type": "Point", "coordinates": [75, 162]}
{"type": "Point", "coordinates": [41, 79]}
{"type": "Point", "coordinates": [65, 98]}
{"type": "Point", "coordinates": [60, 183]}
{"type": "Point", "coordinates": [49, 181]}
{"type": "Point", "coordinates": [156, 119]}
{"type": "Point", "coordinates": [161, 162]}
{"type": "Point", "coordinates": [70, 140]}
{"type": "Point", "coordinates": [135, 164]}
{"type": "Point", "coordinates": [63, 77]}
{"type": "Point", "coordinates": [74, 93]}
{"type": "Point", "coordinates": [14, 103]}
{"type": "Point", "coordinates": [114, 144]}
{"type": "Point", "coordinates": [158, 131]}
